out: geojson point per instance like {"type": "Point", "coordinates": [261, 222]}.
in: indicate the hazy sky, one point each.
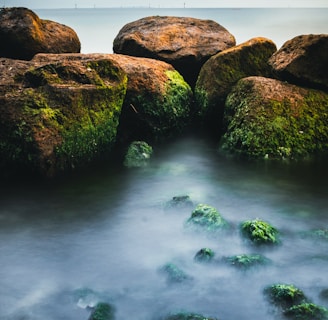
{"type": "Point", "coordinates": [38, 4]}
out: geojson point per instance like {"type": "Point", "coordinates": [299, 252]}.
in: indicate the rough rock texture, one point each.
{"type": "Point", "coordinates": [138, 154]}
{"type": "Point", "coordinates": [23, 34]}
{"type": "Point", "coordinates": [303, 60]}
{"type": "Point", "coordinates": [271, 119]}
{"type": "Point", "coordinates": [58, 113]}
{"type": "Point", "coordinates": [223, 70]}
{"type": "Point", "coordinates": [186, 43]}
{"type": "Point", "coordinates": [158, 100]}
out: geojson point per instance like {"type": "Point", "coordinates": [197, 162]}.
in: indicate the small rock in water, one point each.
{"type": "Point", "coordinates": [204, 255]}
{"type": "Point", "coordinates": [138, 154]}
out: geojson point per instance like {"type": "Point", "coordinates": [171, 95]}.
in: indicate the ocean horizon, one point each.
{"type": "Point", "coordinates": [98, 27]}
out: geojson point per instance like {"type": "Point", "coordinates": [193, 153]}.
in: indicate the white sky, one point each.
{"type": "Point", "coordinates": [39, 4]}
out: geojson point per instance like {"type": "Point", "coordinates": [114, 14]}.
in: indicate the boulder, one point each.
{"type": "Point", "coordinates": [103, 311]}
{"type": "Point", "coordinates": [174, 274]}
{"type": "Point", "coordinates": [186, 43]}
{"type": "Point", "coordinates": [157, 103]}
{"type": "Point", "coordinates": [284, 295]}
{"type": "Point", "coordinates": [271, 119]}
{"type": "Point", "coordinates": [223, 70]}
{"type": "Point", "coordinates": [207, 218]}
{"type": "Point", "coordinates": [259, 232]}
{"type": "Point", "coordinates": [303, 60]}
{"type": "Point", "coordinates": [138, 154]}
{"type": "Point", "coordinates": [306, 311]}
{"type": "Point", "coordinates": [58, 112]}
{"type": "Point", "coordinates": [23, 34]}
{"type": "Point", "coordinates": [204, 255]}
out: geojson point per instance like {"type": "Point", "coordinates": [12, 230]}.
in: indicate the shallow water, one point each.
{"type": "Point", "coordinates": [109, 230]}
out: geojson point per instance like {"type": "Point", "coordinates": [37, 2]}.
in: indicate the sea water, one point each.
{"type": "Point", "coordinates": [108, 231]}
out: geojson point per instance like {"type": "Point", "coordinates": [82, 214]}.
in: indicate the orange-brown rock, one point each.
{"type": "Point", "coordinates": [186, 43]}
{"type": "Point", "coordinates": [23, 34]}
{"type": "Point", "coordinates": [303, 60]}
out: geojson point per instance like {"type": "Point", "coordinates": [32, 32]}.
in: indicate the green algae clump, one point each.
{"type": "Point", "coordinates": [259, 232]}
{"type": "Point", "coordinates": [247, 261]}
{"type": "Point", "coordinates": [306, 311]}
{"type": "Point", "coordinates": [207, 218]}
{"type": "Point", "coordinates": [284, 295]}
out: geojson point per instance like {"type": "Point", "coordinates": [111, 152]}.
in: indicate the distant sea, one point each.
{"type": "Point", "coordinates": [98, 27]}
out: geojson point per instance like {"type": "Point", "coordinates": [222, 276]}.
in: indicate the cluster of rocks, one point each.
{"type": "Point", "coordinates": [61, 109]}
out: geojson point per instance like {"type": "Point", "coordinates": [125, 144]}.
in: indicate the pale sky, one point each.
{"type": "Point", "coordinates": [40, 4]}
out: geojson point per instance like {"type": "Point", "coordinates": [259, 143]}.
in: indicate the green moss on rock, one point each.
{"type": "Point", "coordinates": [187, 316]}
{"type": "Point", "coordinates": [306, 311]}
{"type": "Point", "coordinates": [204, 255]}
{"type": "Point", "coordinates": [284, 295]}
{"type": "Point", "coordinates": [207, 218]}
{"type": "Point", "coordinates": [102, 311]}
{"type": "Point", "coordinates": [259, 232]}
{"type": "Point", "coordinates": [268, 119]}
{"type": "Point", "coordinates": [138, 154]}
{"type": "Point", "coordinates": [174, 274]}
{"type": "Point", "coordinates": [247, 261]}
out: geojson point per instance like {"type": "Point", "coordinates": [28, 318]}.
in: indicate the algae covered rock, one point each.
{"type": "Point", "coordinates": [138, 154]}
{"type": "Point", "coordinates": [184, 42]}
{"type": "Point", "coordinates": [204, 255]}
{"type": "Point", "coordinates": [174, 274]}
{"type": "Point", "coordinates": [187, 316]}
{"type": "Point", "coordinates": [103, 311]}
{"type": "Point", "coordinates": [59, 113]}
{"type": "Point", "coordinates": [23, 34]}
{"type": "Point", "coordinates": [247, 261]}
{"type": "Point", "coordinates": [181, 201]}
{"type": "Point", "coordinates": [284, 295]}
{"type": "Point", "coordinates": [306, 311]}
{"type": "Point", "coordinates": [207, 218]}
{"type": "Point", "coordinates": [223, 70]}
{"type": "Point", "coordinates": [157, 105]}
{"type": "Point", "coordinates": [259, 232]}
{"type": "Point", "coordinates": [303, 60]}
{"type": "Point", "coordinates": [270, 119]}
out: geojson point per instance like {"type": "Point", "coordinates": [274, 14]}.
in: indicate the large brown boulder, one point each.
{"type": "Point", "coordinates": [157, 104]}
{"type": "Point", "coordinates": [23, 34]}
{"type": "Point", "coordinates": [271, 119]}
{"type": "Point", "coordinates": [58, 115]}
{"type": "Point", "coordinates": [186, 43]}
{"type": "Point", "coordinates": [222, 71]}
{"type": "Point", "coordinates": [303, 60]}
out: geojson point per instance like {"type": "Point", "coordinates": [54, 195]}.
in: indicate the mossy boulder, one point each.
{"type": "Point", "coordinates": [138, 154]}
{"type": "Point", "coordinates": [58, 112]}
{"type": "Point", "coordinates": [218, 75]}
{"type": "Point", "coordinates": [247, 261]}
{"type": "Point", "coordinates": [184, 42]}
{"type": "Point", "coordinates": [259, 232]}
{"type": "Point", "coordinates": [103, 311]}
{"type": "Point", "coordinates": [303, 61]}
{"type": "Point", "coordinates": [23, 34]}
{"type": "Point", "coordinates": [175, 274]}
{"type": "Point", "coordinates": [204, 255]}
{"type": "Point", "coordinates": [158, 101]}
{"type": "Point", "coordinates": [187, 316]}
{"type": "Point", "coordinates": [270, 119]}
{"type": "Point", "coordinates": [207, 218]}
{"type": "Point", "coordinates": [284, 295]}
{"type": "Point", "coordinates": [306, 311]}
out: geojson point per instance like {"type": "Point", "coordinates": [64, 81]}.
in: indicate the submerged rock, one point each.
{"type": "Point", "coordinates": [204, 255]}
{"type": "Point", "coordinates": [303, 60]}
{"type": "Point", "coordinates": [187, 316]}
{"type": "Point", "coordinates": [23, 34]}
{"type": "Point", "coordinates": [324, 294]}
{"type": "Point", "coordinates": [259, 232]}
{"type": "Point", "coordinates": [58, 112]}
{"type": "Point", "coordinates": [223, 70]}
{"type": "Point", "coordinates": [186, 43]}
{"type": "Point", "coordinates": [182, 201]}
{"type": "Point", "coordinates": [102, 311]}
{"type": "Point", "coordinates": [270, 119]}
{"type": "Point", "coordinates": [317, 234]}
{"type": "Point", "coordinates": [247, 261]}
{"type": "Point", "coordinates": [306, 311]}
{"type": "Point", "coordinates": [86, 298]}
{"type": "Point", "coordinates": [174, 274]}
{"type": "Point", "coordinates": [207, 218]}
{"type": "Point", "coordinates": [285, 295]}
{"type": "Point", "coordinates": [138, 154]}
